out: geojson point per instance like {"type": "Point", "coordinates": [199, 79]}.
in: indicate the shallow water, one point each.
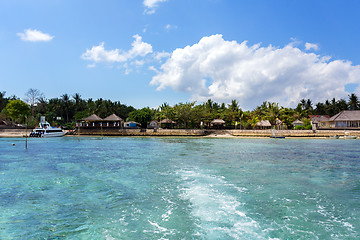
{"type": "Point", "coordinates": [179, 188]}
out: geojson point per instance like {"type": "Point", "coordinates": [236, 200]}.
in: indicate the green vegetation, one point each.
{"type": "Point", "coordinates": [17, 110]}
{"type": "Point", "coordinates": [67, 109]}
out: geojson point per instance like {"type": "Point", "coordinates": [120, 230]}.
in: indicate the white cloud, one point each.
{"type": "Point", "coordinates": [30, 35]}
{"type": "Point", "coordinates": [225, 70]}
{"type": "Point", "coordinates": [160, 55]}
{"type": "Point", "coordinates": [311, 46]}
{"type": "Point", "coordinates": [139, 48]}
{"type": "Point", "coordinates": [151, 5]}
{"type": "Point", "coordinates": [168, 27]}
{"type": "Point", "coordinates": [99, 54]}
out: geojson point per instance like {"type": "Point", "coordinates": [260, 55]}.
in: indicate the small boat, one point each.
{"type": "Point", "coordinates": [334, 137]}
{"type": "Point", "coordinates": [45, 130]}
{"type": "Point", "coordinates": [277, 137]}
{"type": "Point", "coordinates": [347, 135]}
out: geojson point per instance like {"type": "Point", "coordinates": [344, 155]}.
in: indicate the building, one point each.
{"type": "Point", "coordinates": [113, 121]}
{"type": "Point", "coordinates": [263, 124]}
{"type": "Point", "coordinates": [217, 123]}
{"type": "Point", "coordinates": [167, 123]}
{"type": "Point", "coordinates": [319, 121]}
{"type": "Point", "coordinates": [94, 121]}
{"type": "Point", "coordinates": [297, 123]}
{"type": "Point", "coordinates": [348, 119]}
{"type": "Point", "coordinates": [131, 124]}
{"type": "Point", "coordinates": [90, 122]}
{"type": "Point", "coordinates": [153, 124]}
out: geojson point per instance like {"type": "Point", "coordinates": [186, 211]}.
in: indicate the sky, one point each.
{"type": "Point", "coordinates": [147, 52]}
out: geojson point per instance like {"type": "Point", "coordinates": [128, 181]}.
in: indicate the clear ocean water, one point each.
{"type": "Point", "coordinates": [179, 188]}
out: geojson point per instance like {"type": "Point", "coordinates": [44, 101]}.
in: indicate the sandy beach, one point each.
{"type": "Point", "coordinates": [14, 133]}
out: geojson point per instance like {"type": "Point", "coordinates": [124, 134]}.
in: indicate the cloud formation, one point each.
{"type": "Point", "coordinates": [224, 70]}
{"type": "Point", "coordinates": [98, 54]}
{"type": "Point", "coordinates": [33, 35]}
{"type": "Point", "coordinates": [151, 5]}
{"type": "Point", "coordinates": [169, 27]}
{"type": "Point", "coordinates": [311, 46]}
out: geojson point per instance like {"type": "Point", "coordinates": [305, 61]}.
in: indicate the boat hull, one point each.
{"type": "Point", "coordinates": [49, 135]}
{"type": "Point", "coordinates": [350, 137]}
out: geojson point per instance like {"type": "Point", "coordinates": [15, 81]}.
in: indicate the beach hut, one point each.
{"type": "Point", "coordinates": [90, 122]}
{"type": "Point", "coordinates": [167, 123]}
{"type": "Point", "coordinates": [153, 124]}
{"type": "Point", "coordinates": [297, 123]}
{"type": "Point", "coordinates": [217, 123]}
{"type": "Point", "coordinates": [113, 121]}
{"type": "Point", "coordinates": [263, 124]}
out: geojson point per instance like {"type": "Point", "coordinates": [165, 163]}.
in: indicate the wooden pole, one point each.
{"type": "Point", "coordinates": [78, 133]}
{"type": "Point", "coordinates": [102, 135]}
{"type": "Point", "coordinates": [26, 134]}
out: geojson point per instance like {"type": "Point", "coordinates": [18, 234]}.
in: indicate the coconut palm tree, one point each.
{"type": "Point", "coordinates": [353, 102]}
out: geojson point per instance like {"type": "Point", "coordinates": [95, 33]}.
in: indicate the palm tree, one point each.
{"type": "Point", "coordinates": [353, 102]}
{"type": "Point", "coordinates": [303, 103]}
{"type": "Point", "coordinates": [66, 103]}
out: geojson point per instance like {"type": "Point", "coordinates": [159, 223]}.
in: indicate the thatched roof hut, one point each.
{"type": "Point", "coordinates": [263, 124]}
{"type": "Point", "coordinates": [217, 121]}
{"type": "Point", "coordinates": [297, 123]}
{"type": "Point", "coordinates": [113, 118]}
{"type": "Point", "coordinates": [167, 121]}
{"type": "Point", "coordinates": [93, 118]}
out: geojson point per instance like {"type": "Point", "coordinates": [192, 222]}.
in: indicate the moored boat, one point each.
{"type": "Point", "coordinates": [347, 135]}
{"type": "Point", "coordinates": [46, 130]}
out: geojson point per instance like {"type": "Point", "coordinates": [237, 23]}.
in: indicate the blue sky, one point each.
{"type": "Point", "coordinates": [147, 52]}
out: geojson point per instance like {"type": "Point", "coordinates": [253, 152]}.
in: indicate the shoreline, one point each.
{"type": "Point", "coordinates": [193, 133]}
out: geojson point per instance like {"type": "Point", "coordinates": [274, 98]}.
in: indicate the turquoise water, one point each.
{"type": "Point", "coordinates": [179, 188]}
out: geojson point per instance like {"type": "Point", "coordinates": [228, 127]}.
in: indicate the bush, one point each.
{"type": "Point", "coordinates": [299, 127]}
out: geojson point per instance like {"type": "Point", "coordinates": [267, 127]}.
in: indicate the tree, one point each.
{"type": "Point", "coordinates": [184, 113]}
{"type": "Point", "coordinates": [142, 116]}
{"type": "Point", "coordinates": [253, 120]}
{"type": "Point", "coordinates": [17, 108]}
{"type": "Point", "coordinates": [3, 100]}
{"type": "Point", "coordinates": [33, 96]}
{"type": "Point", "coordinates": [353, 102]}
{"type": "Point", "coordinates": [66, 104]}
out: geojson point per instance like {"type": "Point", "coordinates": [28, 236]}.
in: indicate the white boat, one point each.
{"type": "Point", "coordinates": [347, 135]}
{"type": "Point", "coordinates": [46, 130]}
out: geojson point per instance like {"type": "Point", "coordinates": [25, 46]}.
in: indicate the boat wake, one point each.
{"type": "Point", "coordinates": [215, 207]}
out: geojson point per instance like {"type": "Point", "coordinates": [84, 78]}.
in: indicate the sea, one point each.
{"type": "Point", "coordinates": [179, 188]}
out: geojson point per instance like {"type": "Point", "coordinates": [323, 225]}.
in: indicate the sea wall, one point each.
{"type": "Point", "coordinates": [143, 132]}
{"type": "Point", "coordinates": [194, 132]}
{"type": "Point", "coordinates": [198, 132]}
{"type": "Point", "coordinates": [292, 133]}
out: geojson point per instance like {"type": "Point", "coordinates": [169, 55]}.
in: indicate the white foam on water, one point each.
{"type": "Point", "coordinates": [217, 210]}
{"type": "Point", "coordinates": [161, 229]}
